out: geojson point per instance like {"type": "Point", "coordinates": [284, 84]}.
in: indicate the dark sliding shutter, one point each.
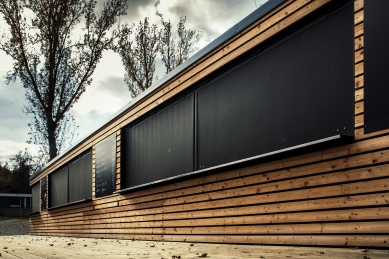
{"type": "Point", "coordinates": [80, 178]}
{"type": "Point", "coordinates": [161, 146]}
{"type": "Point", "coordinates": [35, 197]}
{"type": "Point", "coordinates": [376, 65]}
{"type": "Point", "coordinates": [298, 91]}
{"type": "Point", "coordinates": [58, 186]}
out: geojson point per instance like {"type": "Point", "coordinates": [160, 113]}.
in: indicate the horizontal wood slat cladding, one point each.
{"type": "Point", "coordinates": [379, 213]}
{"type": "Point", "coordinates": [332, 197]}
{"type": "Point", "coordinates": [380, 227]}
{"type": "Point", "coordinates": [341, 203]}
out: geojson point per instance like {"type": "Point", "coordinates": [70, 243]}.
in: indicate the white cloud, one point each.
{"type": "Point", "coordinates": [9, 148]}
{"type": "Point", "coordinates": [108, 92]}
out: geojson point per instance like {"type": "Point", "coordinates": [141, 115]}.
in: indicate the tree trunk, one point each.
{"type": "Point", "coordinates": [52, 141]}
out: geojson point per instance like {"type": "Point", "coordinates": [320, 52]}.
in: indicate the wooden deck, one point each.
{"type": "Point", "coordinates": [28, 246]}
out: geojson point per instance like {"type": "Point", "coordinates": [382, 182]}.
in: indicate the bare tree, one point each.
{"type": "Point", "coordinates": [177, 47]}
{"type": "Point", "coordinates": [53, 66]}
{"type": "Point", "coordinates": [138, 54]}
{"type": "Point", "coordinates": [167, 47]}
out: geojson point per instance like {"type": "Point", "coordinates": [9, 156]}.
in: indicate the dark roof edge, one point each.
{"type": "Point", "coordinates": [237, 28]}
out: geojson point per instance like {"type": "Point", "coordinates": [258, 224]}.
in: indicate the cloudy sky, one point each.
{"type": "Point", "coordinates": [211, 17]}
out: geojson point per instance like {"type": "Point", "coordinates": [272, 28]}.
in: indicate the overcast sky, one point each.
{"type": "Point", "coordinates": [211, 17]}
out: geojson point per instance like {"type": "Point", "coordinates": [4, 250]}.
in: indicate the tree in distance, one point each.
{"type": "Point", "coordinates": [53, 65]}
{"type": "Point", "coordinates": [138, 56]}
{"type": "Point", "coordinates": [5, 179]}
{"type": "Point", "coordinates": [23, 165]}
{"type": "Point", "coordinates": [139, 51]}
{"type": "Point", "coordinates": [15, 175]}
{"type": "Point", "coordinates": [177, 47]}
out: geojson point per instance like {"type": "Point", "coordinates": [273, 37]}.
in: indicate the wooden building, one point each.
{"type": "Point", "coordinates": [15, 204]}
{"type": "Point", "coordinates": [267, 136]}
{"type": "Point", "coordinates": [15, 200]}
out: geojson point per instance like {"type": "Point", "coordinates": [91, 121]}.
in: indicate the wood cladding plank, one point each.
{"type": "Point", "coordinates": [360, 135]}
{"type": "Point", "coordinates": [359, 107]}
{"type": "Point", "coordinates": [359, 68]}
{"type": "Point", "coordinates": [359, 95]}
{"type": "Point", "coordinates": [359, 17]}
{"type": "Point", "coordinates": [359, 56]}
{"type": "Point", "coordinates": [106, 205]}
{"type": "Point", "coordinates": [359, 120]}
{"type": "Point", "coordinates": [359, 82]}
{"type": "Point", "coordinates": [358, 5]}
{"type": "Point", "coordinates": [359, 43]}
{"type": "Point", "coordinates": [358, 31]}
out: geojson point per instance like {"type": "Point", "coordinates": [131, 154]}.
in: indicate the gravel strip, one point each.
{"type": "Point", "coordinates": [14, 227]}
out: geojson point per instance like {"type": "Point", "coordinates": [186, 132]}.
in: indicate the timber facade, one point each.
{"type": "Point", "coordinates": [333, 192]}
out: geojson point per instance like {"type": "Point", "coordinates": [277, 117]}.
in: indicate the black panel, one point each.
{"type": "Point", "coordinates": [80, 179]}
{"type": "Point", "coordinates": [105, 174]}
{"type": "Point", "coordinates": [43, 193]}
{"type": "Point", "coordinates": [297, 91]}
{"type": "Point", "coordinates": [376, 62]}
{"type": "Point", "coordinates": [75, 181]}
{"type": "Point", "coordinates": [87, 175]}
{"type": "Point", "coordinates": [161, 146]}
{"type": "Point", "coordinates": [58, 187]}
{"type": "Point", "coordinates": [35, 197]}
